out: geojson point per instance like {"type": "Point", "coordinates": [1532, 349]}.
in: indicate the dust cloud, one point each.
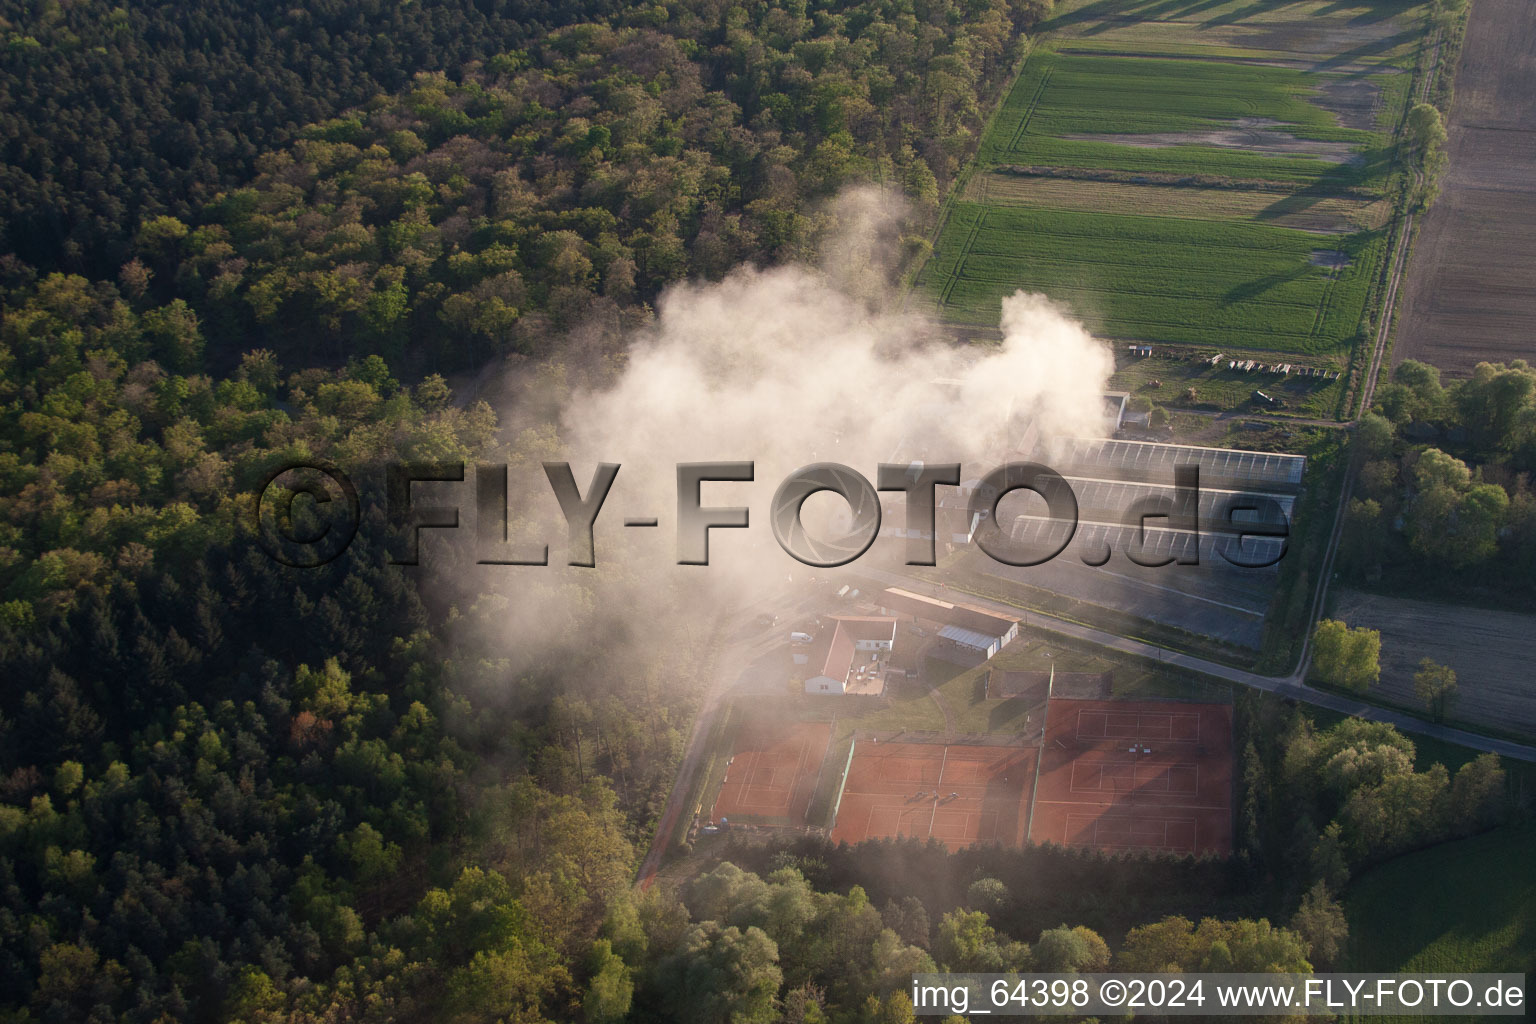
{"type": "Point", "coordinates": [782, 367]}
{"type": "Point", "coordinates": [793, 365]}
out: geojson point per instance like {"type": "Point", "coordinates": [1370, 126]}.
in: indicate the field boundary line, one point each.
{"type": "Point", "coordinates": [805, 750]}
{"type": "Point", "coordinates": [1325, 303]}
{"type": "Point", "coordinates": [1399, 257]}
{"type": "Point", "coordinates": [965, 250]}
{"type": "Point", "coordinates": [1029, 111]}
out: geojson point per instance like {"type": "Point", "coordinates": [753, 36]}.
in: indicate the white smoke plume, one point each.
{"type": "Point", "coordinates": [785, 367]}
{"type": "Point", "coordinates": [779, 366]}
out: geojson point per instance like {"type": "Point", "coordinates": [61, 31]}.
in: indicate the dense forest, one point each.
{"type": "Point", "coordinates": [113, 114]}
{"type": "Point", "coordinates": [1444, 493]}
{"type": "Point", "coordinates": [230, 790]}
{"type": "Point", "coordinates": [549, 177]}
{"type": "Point", "coordinates": [236, 236]}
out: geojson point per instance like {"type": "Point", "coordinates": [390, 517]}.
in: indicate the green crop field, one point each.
{"type": "Point", "coordinates": [1059, 96]}
{"type": "Point", "coordinates": [1103, 93]}
{"type": "Point", "coordinates": [1225, 187]}
{"type": "Point", "coordinates": [1168, 279]}
{"type": "Point", "coordinates": [1463, 906]}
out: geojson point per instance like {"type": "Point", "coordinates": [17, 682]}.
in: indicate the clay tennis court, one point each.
{"type": "Point", "coordinates": [773, 772]}
{"type": "Point", "coordinates": [1121, 775]}
{"type": "Point", "coordinates": [904, 789]}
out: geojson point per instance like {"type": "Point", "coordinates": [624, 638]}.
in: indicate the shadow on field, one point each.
{"type": "Point", "coordinates": [1106, 15]}
{"type": "Point", "coordinates": [1382, 10]}
{"type": "Point", "coordinates": [1370, 49]}
{"type": "Point", "coordinates": [1113, 13]}
{"type": "Point", "coordinates": [1303, 199]}
{"type": "Point", "coordinates": [1253, 289]}
{"type": "Point", "coordinates": [1233, 17]}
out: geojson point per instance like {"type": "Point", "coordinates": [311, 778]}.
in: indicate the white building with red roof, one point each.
{"type": "Point", "coordinates": [850, 657]}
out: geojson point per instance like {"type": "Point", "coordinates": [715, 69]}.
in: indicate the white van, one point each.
{"type": "Point", "coordinates": [801, 638]}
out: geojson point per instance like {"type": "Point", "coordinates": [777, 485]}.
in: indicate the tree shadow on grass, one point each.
{"type": "Point", "coordinates": [1258, 286]}
{"type": "Point", "coordinates": [1303, 199]}
{"type": "Point", "coordinates": [1376, 46]}
{"type": "Point", "coordinates": [1381, 10]}
{"type": "Point", "coordinates": [1334, 183]}
{"type": "Point", "coordinates": [1113, 13]}
{"type": "Point", "coordinates": [1233, 17]}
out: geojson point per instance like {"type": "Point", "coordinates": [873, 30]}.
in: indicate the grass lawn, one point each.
{"type": "Point", "coordinates": [1469, 905]}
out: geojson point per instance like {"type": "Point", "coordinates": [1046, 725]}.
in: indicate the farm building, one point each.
{"type": "Point", "coordinates": [968, 646]}
{"type": "Point", "coordinates": [850, 657]}
{"type": "Point", "coordinates": [970, 634]}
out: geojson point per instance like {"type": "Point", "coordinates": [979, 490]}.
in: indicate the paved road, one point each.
{"type": "Point", "coordinates": [1292, 686]}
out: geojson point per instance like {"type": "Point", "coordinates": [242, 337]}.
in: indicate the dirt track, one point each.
{"type": "Point", "coordinates": [1470, 293]}
{"type": "Point", "coordinates": [1492, 653]}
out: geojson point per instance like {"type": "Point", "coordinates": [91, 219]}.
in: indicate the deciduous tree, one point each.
{"type": "Point", "coordinates": [1435, 685]}
{"type": "Point", "coordinates": [1350, 658]}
